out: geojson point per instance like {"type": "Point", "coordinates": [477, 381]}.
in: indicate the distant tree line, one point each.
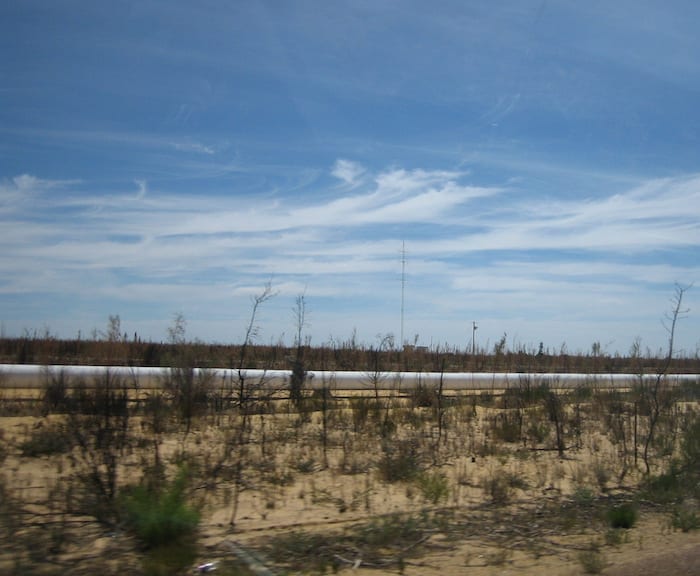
{"type": "Point", "coordinates": [342, 355]}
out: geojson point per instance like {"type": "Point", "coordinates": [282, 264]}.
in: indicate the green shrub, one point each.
{"type": "Point", "coordinates": [591, 560]}
{"type": "Point", "coordinates": [169, 559]}
{"type": "Point", "coordinates": [584, 496]}
{"type": "Point", "coordinates": [526, 393]}
{"type": "Point", "coordinates": [362, 409]}
{"type": "Point", "coordinates": [423, 396]}
{"type": "Point", "coordinates": [399, 460]}
{"type": "Point", "coordinates": [622, 516]}
{"type": "Point", "coordinates": [683, 476]}
{"type": "Point", "coordinates": [159, 517]}
{"type": "Point", "coordinates": [690, 446]}
{"type": "Point", "coordinates": [582, 393]}
{"type": "Point", "coordinates": [685, 520]}
{"type": "Point", "coordinates": [434, 487]}
{"type": "Point", "coordinates": [667, 487]}
{"type": "Point", "coordinates": [391, 530]}
{"type": "Point", "coordinates": [615, 536]}
{"type": "Point", "coordinates": [46, 441]}
{"type": "Point", "coordinates": [602, 475]}
{"type": "Point", "coordinates": [486, 399]}
{"type": "Point", "coordinates": [498, 489]}
{"type": "Point", "coordinates": [538, 431]}
{"type": "Point", "coordinates": [507, 426]}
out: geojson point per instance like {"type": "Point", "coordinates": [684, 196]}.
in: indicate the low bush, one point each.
{"type": "Point", "coordinates": [591, 560]}
{"type": "Point", "coordinates": [45, 441]}
{"type": "Point", "coordinates": [538, 431]}
{"type": "Point", "coordinates": [423, 396]}
{"type": "Point", "coordinates": [55, 395]}
{"type": "Point", "coordinates": [399, 460]}
{"type": "Point", "coordinates": [666, 487]}
{"type": "Point", "coordinates": [391, 530]}
{"type": "Point", "coordinates": [507, 426]}
{"type": "Point", "coordinates": [525, 393]}
{"type": "Point", "coordinates": [690, 447]}
{"type": "Point", "coordinates": [682, 479]}
{"type": "Point", "coordinates": [685, 520]}
{"type": "Point", "coordinates": [169, 559]}
{"type": "Point", "coordinates": [497, 488]}
{"type": "Point", "coordinates": [363, 408]}
{"type": "Point", "coordinates": [622, 516]}
{"type": "Point", "coordinates": [615, 536]}
{"type": "Point", "coordinates": [434, 487]}
{"type": "Point", "coordinates": [584, 496]}
{"type": "Point", "coordinates": [159, 517]}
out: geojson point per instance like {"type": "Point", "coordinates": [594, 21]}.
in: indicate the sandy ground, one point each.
{"type": "Point", "coordinates": [650, 548]}
{"type": "Point", "coordinates": [535, 530]}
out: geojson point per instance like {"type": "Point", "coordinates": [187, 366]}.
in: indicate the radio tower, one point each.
{"type": "Point", "coordinates": [403, 285]}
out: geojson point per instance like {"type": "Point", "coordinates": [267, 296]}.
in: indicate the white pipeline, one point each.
{"type": "Point", "coordinates": [33, 376]}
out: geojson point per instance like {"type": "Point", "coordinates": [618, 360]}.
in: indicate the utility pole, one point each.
{"type": "Point", "coordinates": [474, 328]}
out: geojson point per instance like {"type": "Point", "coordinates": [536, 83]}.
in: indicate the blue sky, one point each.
{"type": "Point", "coordinates": [540, 161]}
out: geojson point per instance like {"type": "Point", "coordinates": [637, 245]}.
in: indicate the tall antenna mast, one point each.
{"type": "Point", "coordinates": [403, 285]}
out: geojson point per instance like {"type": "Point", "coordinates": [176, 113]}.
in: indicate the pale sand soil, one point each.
{"type": "Point", "coordinates": [526, 537]}
{"type": "Point", "coordinates": [649, 548]}
{"type": "Point", "coordinates": [683, 560]}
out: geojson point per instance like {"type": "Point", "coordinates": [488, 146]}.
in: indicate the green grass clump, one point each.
{"type": "Point", "coordinates": [169, 559]}
{"type": "Point", "coordinates": [584, 496]}
{"type": "Point", "coordinates": [160, 517]}
{"type": "Point", "coordinates": [615, 536]}
{"type": "Point", "coordinates": [666, 487]}
{"type": "Point", "coordinates": [400, 461]}
{"type": "Point", "coordinates": [497, 489]}
{"type": "Point", "coordinates": [591, 560]}
{"type": "Point", "coordinates": [433, 487]}
{"type": "Point", "coordinates": [622, 516]}
{"type": "Point", "coordinates": [391, 530]}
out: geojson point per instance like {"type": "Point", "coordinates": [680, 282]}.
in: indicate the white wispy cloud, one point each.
{"type": "Point", "coordinates": [18, 190]}
{"type": "Point", "coordinates": [347, 171]}
{"type": "Point", "coordinates": [490, 243]}
{"type": "Point", "coordinates": [187, 146]}
{"type": "Point", "coordinates": [660, 214]}
{"type": "Point", "coordinates": [143, 189]}
{"type": "Point", "coordinates": [127, 139]}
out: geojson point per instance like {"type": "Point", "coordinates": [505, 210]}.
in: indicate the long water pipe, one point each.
{"type": "Point", "coordinates": [34, 376]}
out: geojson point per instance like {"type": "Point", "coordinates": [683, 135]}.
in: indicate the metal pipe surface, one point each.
{"type": "Point", "coordinates": [34, 376]}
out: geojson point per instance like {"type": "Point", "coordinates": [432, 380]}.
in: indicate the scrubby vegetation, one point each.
{"type": "Point", "coordinates": [337, 479]}
{"type": "Point", "coordinates": [131, 350]}
{"type": "Point", "coordinates": [154, 468]}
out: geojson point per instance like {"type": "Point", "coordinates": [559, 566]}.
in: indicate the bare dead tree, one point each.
{"type": "Point", "coordinates": [557, 415]}
{"type": "Point", "coordinates": [189, 389]}
{"type": "Point", "coordinates": [298, 377]}
{"type": "Point", "coordinates": [251, 333]}
{"type": "Point", "coordinates": [237, 445]}
{"type": "Point", "coordinates": [657, 394]}
{"type": "Point", "coordinates": [98, 423]}
{"type": "Point", "coordinates": [376, 378]}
